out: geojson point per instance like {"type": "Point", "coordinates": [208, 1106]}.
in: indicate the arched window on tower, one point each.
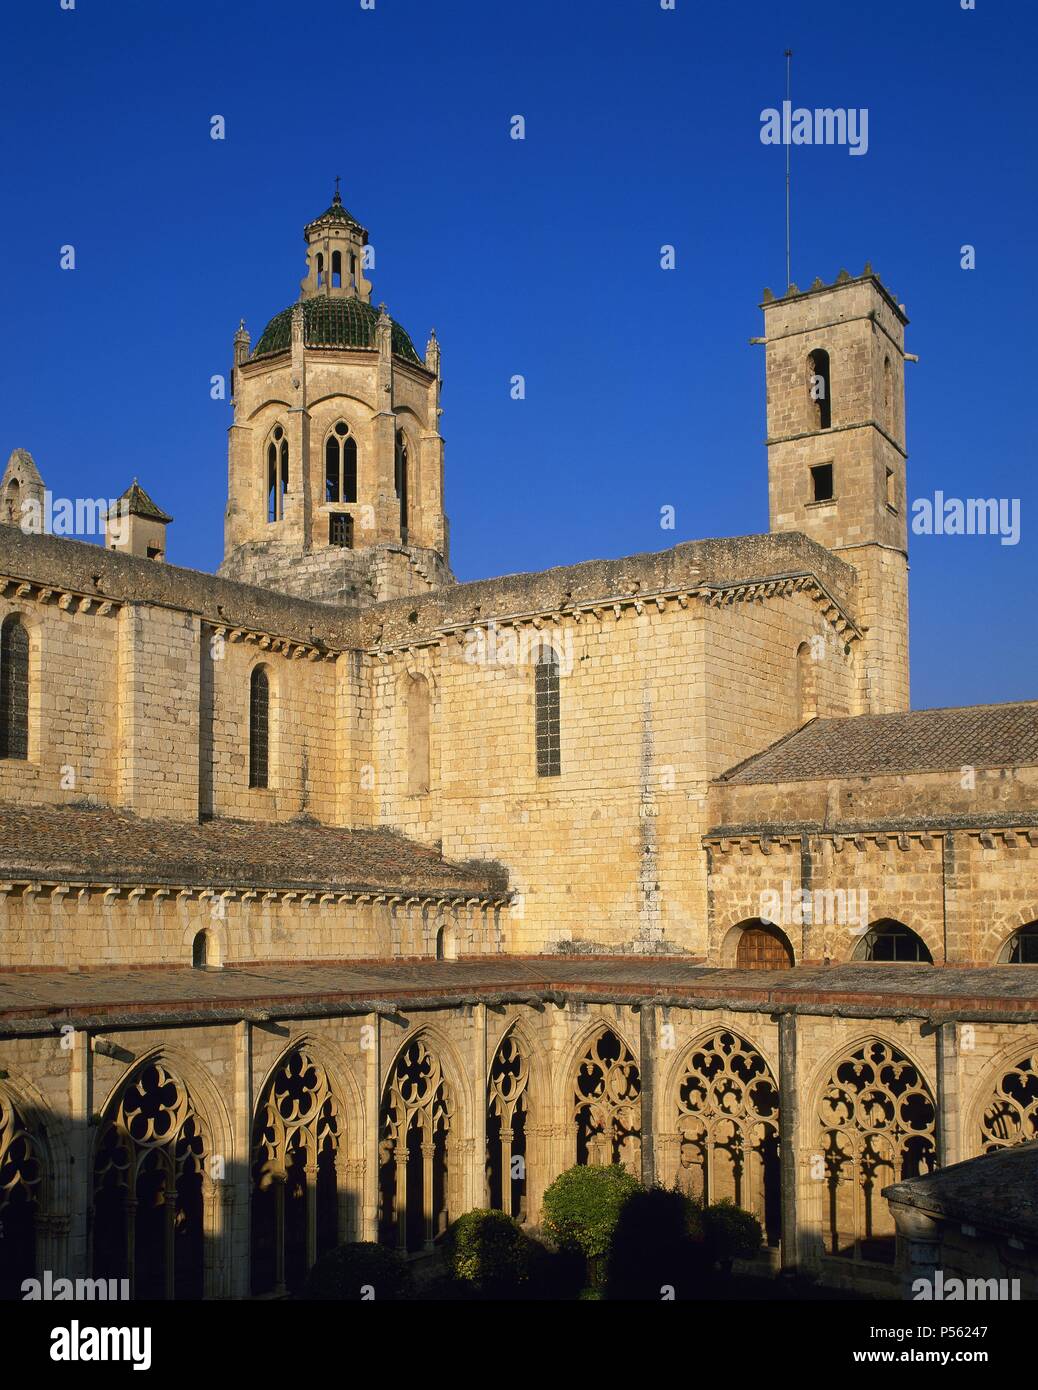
{"type": "Point", "coordinates": [277, 474]}
{"type": "Point", "coordinates": [259, 728]}
{"type": "Point", "coordinates": [336, 269]}
{"type": "Point", "coordinates": [340, 464]}
{"type": "Point", "coordinates": [320, 268]}
{"type": "Point", "coordinates": [889, 405]}
{"type": "Point", "coordinates": [14, 688]}
{"type": "Point", "coordinates": [417, 736]}
{"type": "Point", "coordinates": [353, 271]}
{"type": "Point", "coordinates": [547, 724]}
{"type": "Point", "coordinates": [12, 503]}
{"type": "Point", "coordinates": [807, 694]}
{"type": "Point", "coordinates": [401, 480]}
{"type": "Point", "coordinates": [819, 396]}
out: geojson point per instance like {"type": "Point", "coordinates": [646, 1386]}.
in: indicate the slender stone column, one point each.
{"type": "Point", "coordinates": [80, 1192]}
{"type": "Point", "coordinates": [371, 1034]}
{"type": "Point", "coordinates": [647, 1069]}
{"type": "Point", "coordinates": [237, 1233]}
{"type": "Point", "coordinates": [478, 1194]}
{"type": "Point", "coordinates": [788, 1128]}
{"type": "Point", "coordinates": [949, 1139]}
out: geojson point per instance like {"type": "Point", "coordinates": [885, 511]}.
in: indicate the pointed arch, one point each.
{"type": "Point", "coordinates": [14, 687]}
{"type": "Point", "coordinates": [276, 460]}
{"type": "Point", "coordinates": [605, 1101]}
{"type": "Point", "coordinates": [308, 1109]}
{"type": "Point", "coordinates": [875, 1118]}
{"type": "Point", "coordinates": [419, 1129]}
{"type": "Point", "coordinates": [154, 1207]}
{"type": "Point", "coordinates": [508, 1098]}
{"type": "Point", "coordinates": [723, 1122]}
{"type": "Point", "coordinates": [26, 1197]}
{"type": "Point", "coordinates": [1005, 1110]}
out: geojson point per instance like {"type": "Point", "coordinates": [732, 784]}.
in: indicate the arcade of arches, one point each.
{"type": "Point", "coordinates": [180, 1207]}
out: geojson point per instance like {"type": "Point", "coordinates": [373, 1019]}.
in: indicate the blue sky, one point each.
{"type": "Point", "coordinates": [538, 257]}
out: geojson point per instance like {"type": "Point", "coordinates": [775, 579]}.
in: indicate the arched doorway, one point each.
{"type": "Point", "coordinates": [762, 946]}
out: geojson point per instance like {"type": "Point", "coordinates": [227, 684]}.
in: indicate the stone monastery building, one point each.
{"type": "Point", "coordinates": [338, 898]}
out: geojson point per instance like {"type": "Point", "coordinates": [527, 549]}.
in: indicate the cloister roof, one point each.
{"type": "Point", "coordinates": [40, 1001]}
{"type": "Point", "coordinates": [927, 740]}
{"type": "Point", "coordinates": [87, 844]}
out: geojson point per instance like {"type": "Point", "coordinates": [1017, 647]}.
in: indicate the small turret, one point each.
{"type": "Point", "coordinates": [136, 526]}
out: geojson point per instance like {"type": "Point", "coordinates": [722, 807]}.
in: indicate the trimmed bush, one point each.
{"type": "Point", "coordinates": [731, 1233]}
{"type": "Point", "coordinates": [582, 1208]}
{"type": "Point", "coordinates": [489, 1251]}
{"type": "Point", "coordinates": [357, 1271]}
{"type": "Point", "coordinates": [658, 1243]}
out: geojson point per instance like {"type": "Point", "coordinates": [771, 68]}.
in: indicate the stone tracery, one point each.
{"type": "Point", "coordinates": [22, 1171]}
{"type": "Point", "coordinates": [607, 1104]}
{"type": "Point", "coordinates": [1011, 1114]}
{"type": "Point", "coordinates": [296, 1144]}
{"type": "Point", "coordinates": [151, 1188]}
{"type": "Point", "coordinates": [727, 1127]}
{"type": "Point", "coordinates": [414, 1149]}
{"type": "Point", "coordinates": [877, 1126]}
{"type": "Point", "coordinates": [507, 1111]}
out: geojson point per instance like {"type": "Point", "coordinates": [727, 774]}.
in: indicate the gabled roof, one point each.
{"type": "Point", "coordinates": [869, 745]}
{"type": "Point", "coordinates": [136, 502]}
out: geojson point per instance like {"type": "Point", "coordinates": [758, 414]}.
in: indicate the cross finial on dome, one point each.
{"type": "Point", "coordinates": [337, 200]}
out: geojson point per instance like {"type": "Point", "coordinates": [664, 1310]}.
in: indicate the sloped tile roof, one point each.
{"type": "Point", "coordinates": [99, 845]}
{"type": "Point", "coordinates": [138, 503]}
{"type": "Point", "coordinates": [919, 741]}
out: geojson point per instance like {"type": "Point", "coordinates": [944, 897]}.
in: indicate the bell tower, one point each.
{"type": "Point", "coordinates": [835, 360]}
{"type": "Point", "coordinates": [335, 458]}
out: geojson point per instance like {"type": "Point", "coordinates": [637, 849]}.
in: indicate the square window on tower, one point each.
{"type": "Point", "coordinates": [822, 483]}
{"type": "Point", "coordinates": [340, 529]}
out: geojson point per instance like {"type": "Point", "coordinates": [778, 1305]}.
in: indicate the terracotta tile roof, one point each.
{"type": "Point", "coordinates": [99, 845]}
{"type": "Point", "coordinates": [920, 741]}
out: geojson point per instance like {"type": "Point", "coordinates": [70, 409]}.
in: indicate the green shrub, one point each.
{"type": "Point", "coordinates": [583, 1205]}
{"type": "Point", "coordinates": [359, 1270]}
{"type": "Point", "coordinates": [731, 1233]}
{"type": "Point", "coordinates": [658, 1243]}
{"type": "Point", "coordinates": [488, 1250]}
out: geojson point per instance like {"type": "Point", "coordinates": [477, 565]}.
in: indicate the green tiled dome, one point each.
{"type": "Point", "coordinates": [345, 323]}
